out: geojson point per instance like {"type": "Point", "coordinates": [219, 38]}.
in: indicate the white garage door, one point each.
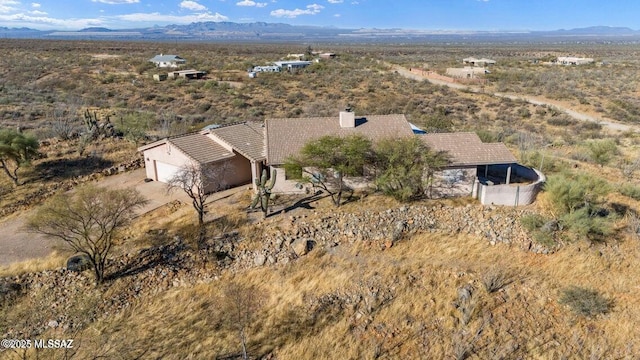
{"type": "Point", "coordinates": [165, 171]}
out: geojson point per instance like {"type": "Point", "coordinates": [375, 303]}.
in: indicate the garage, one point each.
{"type": "Point", "coordinates": [165, 171]}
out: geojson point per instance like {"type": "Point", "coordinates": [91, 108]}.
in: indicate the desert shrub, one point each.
{"type": "Point", "coordinates": [632, 191]}
{"type": "Point", "coordinates": [495, 279]}
{"type": "Point", "coordinates": [586, 302]}
{"type": "Point", "coordinates": [562, 120]}
{"type": "Point", "coordinates": [577, 200]}
{"type": "Point", "coordinates": [570, 192]}
{"type": "Point", "coordinates": [594, 224]}
{"type": "Point", "coordinates": [532, 222]}
{"type": "Point", "coordinates": [602, 151]}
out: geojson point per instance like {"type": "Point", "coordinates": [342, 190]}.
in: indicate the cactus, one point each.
{"type": "Point", "coordinates": [263, 194]}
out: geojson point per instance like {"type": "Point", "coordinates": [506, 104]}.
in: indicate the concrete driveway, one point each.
{"type": "Point", "coordinates": [17, 245]}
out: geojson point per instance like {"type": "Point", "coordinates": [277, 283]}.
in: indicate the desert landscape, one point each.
{"type": "Point", "coordinates": [384, 274]}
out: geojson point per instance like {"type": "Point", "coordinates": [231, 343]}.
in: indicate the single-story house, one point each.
{"type": "Point", "coordinates": [240, 146]}
{"type": "Point", "coordinates": [171, 61]}
{"type": "Point", "coordinates": [487, 171]}
{"type": "Point", "coordinates": [286, 136]}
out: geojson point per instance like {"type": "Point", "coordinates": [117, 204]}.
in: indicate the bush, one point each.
{"type": "Point", "coordinates": [631, 191]}
{"type": "Point", "coordinates": [495, 279]}
{"type": "Point", "coordinates": [532, 222]}
{"type": "Point", "coordinates": [601, 151]}
{"type": "Point", "coordinates": [585, 302]}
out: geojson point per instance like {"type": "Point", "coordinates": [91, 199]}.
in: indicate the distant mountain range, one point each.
{"type": "Point", "coordinates": [276, 32]}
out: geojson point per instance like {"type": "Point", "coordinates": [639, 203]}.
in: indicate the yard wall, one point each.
{"type": "Point", "coordinates": [512, 194]}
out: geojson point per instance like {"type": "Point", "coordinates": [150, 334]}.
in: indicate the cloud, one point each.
{"type": "Point", "coordinates": [35, 5]}
{"type": "Point", "coordinates": [336, 1]}
{"type": "Point", "coordinates": [251, 3]}
{"type": "Point", "coordinates": [310, 10]}
{"type": "Point", "coordinates": [37, 12]}
{"type": "Point", "coordinates": [49, 23]}
{"type": "Point", "coordinates": [192, 5]}
{"type": "Point", "coordinates": [117, 2]}
{"type": "Point", "coordinates": [172, 19]}
{"type": "Point", "coordinates": [6, 6]}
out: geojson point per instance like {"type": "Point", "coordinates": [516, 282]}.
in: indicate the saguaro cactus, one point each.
{"type": "Point", "coordinates": [263, 194]}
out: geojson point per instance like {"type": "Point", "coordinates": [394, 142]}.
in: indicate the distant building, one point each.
{"type": "Point", "coordinates": [572, 60]}
{"type": "Point", "coordinates": [187, 74]}
{"type": "Point", "coordinates": [484, 62]}
{"type": "Point", "coordinates": [327, 55]}
{"type": "Point", "coordinates": [171, 61]}
{"type": "Point", "coordinates": [467, 72]}
{"type": "Point", "coordinates": [292, 65]}
{"type": "Point", "coordinates": [270, 68]}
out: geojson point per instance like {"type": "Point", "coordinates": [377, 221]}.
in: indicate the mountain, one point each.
{"type": "Point", "coordinates": [275, 32]}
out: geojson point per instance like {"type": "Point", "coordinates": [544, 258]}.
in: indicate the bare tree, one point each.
{"type": "Point", "coordinates": [198, 182]}
{"type": "Point", "coordinates": [241, 304]}
{"type": "Point", "coordinates": [65, 123]}
{"type": "Point", "coordinates": [88, 221]}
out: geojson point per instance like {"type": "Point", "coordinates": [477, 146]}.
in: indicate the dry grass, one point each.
{"type": "Point", "coordinates": [55, 260]}
{"type": "Point", "coordinates": [333, 304]}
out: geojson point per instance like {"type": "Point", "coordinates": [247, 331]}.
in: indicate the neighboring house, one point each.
{"type": "Point", "coordinates": [487, 171]}
{"type": "Point", "coordinates": [467, 72]}
{"type": "Point", "coordinates": [572, 60]}
{"type": "Point", "coordinates": [240, 145]}
{"type": "Point", "coordinates": [187, 74]}
{"type": "Point", "coordinates": [292, 65]}
{"type": "Point", "coordinates": [478, 62]}
{"type": "Point", "coordinates": [170, 61]}
{"type": "Point", "coordinates": [269, 68]}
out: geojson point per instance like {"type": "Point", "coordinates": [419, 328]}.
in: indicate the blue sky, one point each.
{"type": "Point", "coordinates": [407, 14]}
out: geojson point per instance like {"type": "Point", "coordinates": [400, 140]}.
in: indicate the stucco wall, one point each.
{"type": "Point", "coordinates": [163, 153]}
{"type": "Point", "coordinates": [238, 172]}
{"type": "Point", "coordinates": [512, 194]}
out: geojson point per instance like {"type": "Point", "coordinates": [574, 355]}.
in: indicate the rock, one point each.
{"type": "Point", "coordinates": [259, 259]}
{"type": "Point", "coordinates": [52, 324]}
{"type": "Point", "coordinates": [78, 263]}
{"type": "Point", "coordinates": [301, 246]}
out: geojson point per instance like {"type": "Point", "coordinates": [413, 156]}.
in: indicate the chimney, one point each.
{"type": "Point", "coordinates": [347, 118]}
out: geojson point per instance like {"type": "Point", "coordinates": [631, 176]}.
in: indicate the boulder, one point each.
{"type": "Point", "coordinates": [259, 259]}
{"type": "Point", "coordinates": [78, 263]}
{"type": "Point", "coordinates": [301, 246]}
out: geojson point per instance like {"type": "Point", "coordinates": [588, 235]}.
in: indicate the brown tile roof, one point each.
{"type": "Point", "coordinates": [286, 136]}
{"type": "Point", "coordinates": [246, 138]}
{"type": "Point", "coordinates": [200, 148]}
{"type": "Point", "coordinates": [466, 149]}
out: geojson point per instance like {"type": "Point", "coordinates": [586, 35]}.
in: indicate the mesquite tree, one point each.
{"type": "Point", "coordinates": [88, 221]}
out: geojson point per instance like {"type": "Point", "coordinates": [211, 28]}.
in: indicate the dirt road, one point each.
{"type": "Point", "coordinates": [606, 123]}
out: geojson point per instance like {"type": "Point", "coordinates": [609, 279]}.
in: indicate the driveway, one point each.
{"type": "Point", "coordinates": [17, 245]}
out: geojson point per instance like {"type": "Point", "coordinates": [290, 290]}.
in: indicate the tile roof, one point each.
{"type": "Point", "coordinates": [246, 138]}
{"type": "Point", "coordinates": [286, 136]}
{"type": "Point", "coordinates": [200, 148]}
{"type": "Point", "coordinates": [466, 149]}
